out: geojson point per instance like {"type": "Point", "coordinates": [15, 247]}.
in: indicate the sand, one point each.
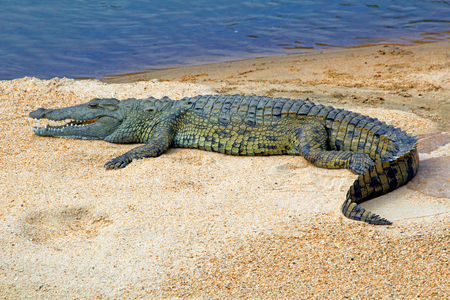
{"type": "Point", "coordinates": [196, 224]}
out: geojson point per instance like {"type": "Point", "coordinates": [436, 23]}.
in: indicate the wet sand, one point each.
{"type": "Point", "coordinates": [196, 224]}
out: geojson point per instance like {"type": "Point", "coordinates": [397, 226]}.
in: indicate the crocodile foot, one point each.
{"type": "Point", "coordinates": [360, 162]}
{"type": "Point", "coordinates": [118, 162]}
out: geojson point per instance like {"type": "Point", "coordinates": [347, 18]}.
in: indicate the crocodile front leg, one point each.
{"type": "Point", "coordinates": [158, 144]}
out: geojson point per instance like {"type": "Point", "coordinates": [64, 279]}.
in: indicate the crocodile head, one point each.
{"type": "Point", "coordinates": [94, 120]}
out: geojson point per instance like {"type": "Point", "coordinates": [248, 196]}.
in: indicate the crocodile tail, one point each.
{"type": "Point", "coordinates": [382, 178]}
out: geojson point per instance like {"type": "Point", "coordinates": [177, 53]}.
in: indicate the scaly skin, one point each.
{"type": "Point", "coordinates": [384, 157]}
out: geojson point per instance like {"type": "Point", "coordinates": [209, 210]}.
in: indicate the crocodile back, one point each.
{"type": "Point", "coordinates": [251, 111]}
{"type": "Point", "coordinates": [347, 131]}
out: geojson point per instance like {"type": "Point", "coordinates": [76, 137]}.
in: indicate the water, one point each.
{"type": "Point", "coordinates": [92, 38]}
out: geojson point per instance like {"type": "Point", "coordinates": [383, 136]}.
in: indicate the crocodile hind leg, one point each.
{"type": "Point", "coordinates": [311, 142]}
{"type": "Point", "coordinates": [375, 178]}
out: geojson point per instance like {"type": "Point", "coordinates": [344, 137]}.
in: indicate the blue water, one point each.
{"type": "Point", "coordinates": [92, 38]}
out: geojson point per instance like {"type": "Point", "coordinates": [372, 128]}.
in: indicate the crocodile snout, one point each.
{"type": "Point", "coordinates": [39, 113]}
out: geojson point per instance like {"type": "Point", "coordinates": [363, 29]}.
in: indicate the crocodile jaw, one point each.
{"type": "Point", "coordinates": [93, 120]}
{"type": "Point", "coordinates": [77, 129]}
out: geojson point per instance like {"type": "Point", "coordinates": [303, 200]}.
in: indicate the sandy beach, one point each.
{"type": "Point", "coordinates": [203, 225]}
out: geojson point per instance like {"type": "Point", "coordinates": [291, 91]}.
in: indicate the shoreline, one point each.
{"type": "Point", "coordinates": [307, 51]}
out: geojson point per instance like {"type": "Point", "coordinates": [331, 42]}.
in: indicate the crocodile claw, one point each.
{"type": "Point", "coordinates": [118, 162]}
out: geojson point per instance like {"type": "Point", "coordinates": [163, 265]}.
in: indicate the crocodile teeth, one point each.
{"type": "Point", "coordinates": [53, 125]}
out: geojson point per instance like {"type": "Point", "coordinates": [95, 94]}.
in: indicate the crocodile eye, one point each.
{"type": "Point", "coordinates": [92, 105]}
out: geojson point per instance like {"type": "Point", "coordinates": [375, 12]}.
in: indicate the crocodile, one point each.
{"type": "Point", "coordinates": [383, 157]}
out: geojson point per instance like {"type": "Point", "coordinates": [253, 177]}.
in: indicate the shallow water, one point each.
{"type": "Point", "coordinates": [80, 39]}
